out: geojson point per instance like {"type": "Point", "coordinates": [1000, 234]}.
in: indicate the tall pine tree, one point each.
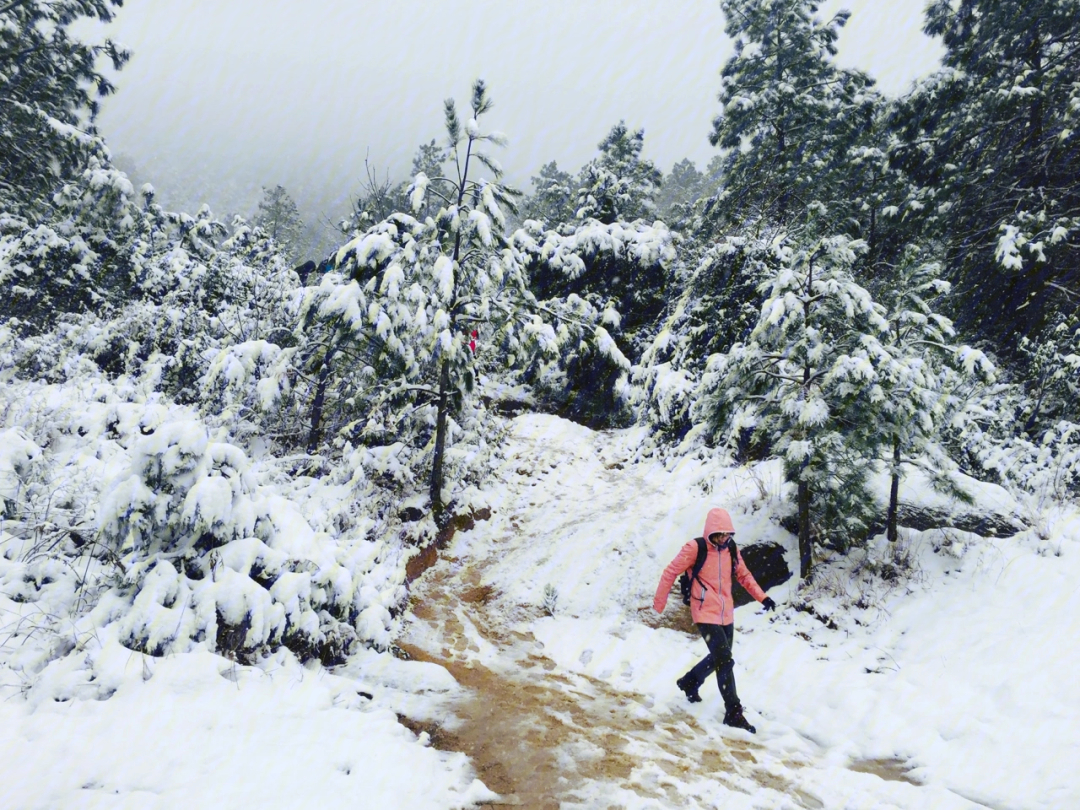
{"type": "Point", "coordinates": [991, 144]}
{"type": "Point", "coordinates": [789, 117]}
{"type": "Point", "coordinates": [807, 383]}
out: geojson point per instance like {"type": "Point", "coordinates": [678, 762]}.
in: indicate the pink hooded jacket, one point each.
{"type": "Point", "coordinates": [718, 606]}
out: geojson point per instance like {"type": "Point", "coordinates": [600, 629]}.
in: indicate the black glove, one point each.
{"type": "Point", "coordinates": [768, 603]}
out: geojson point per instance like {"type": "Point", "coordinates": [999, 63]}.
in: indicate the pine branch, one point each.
{"type": "Point", "coordinates": [13, 5]}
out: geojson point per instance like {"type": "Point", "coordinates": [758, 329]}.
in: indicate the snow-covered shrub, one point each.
{"type": "Point", "coordinates": [248, 388]}
{"type": "Point", "coordinates": [123, 515]}
{"type": "Point", "coordinates": [856, 587]}
{"type": "Point", "coordinates": [1051, 374]}
{"type": "Point", "coordinates": [75, 261]}
{"type": "Point", "coordinates": [551, 599]}
{"type": "Point", "coordinates": [620, 270]}
{"type": "Point", "coordinates": [1043, 463]}
{"type": "Point", "coordinates": [192, 526]}
{"type": "Point", "coordinates": [190, 302]}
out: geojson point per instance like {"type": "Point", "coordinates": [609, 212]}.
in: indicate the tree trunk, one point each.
{"type": "Point", "coordinates": [894, 493]}
{"type": "Point", "coordinates": [435, 493]}
{"type": "Point", "coordinates": [440, 441]}
{"type": "Point", "coordinates": [805, 543]}
{"type": "Point", "coordinates": [805, 550]}
{"type": "Point", "coordinates": [318, 403]}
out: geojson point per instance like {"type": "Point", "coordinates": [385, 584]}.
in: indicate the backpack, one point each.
{"type": "Point", "coordinates": [686, 581]}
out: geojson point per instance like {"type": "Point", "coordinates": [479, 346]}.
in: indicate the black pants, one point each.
{"type": "Point", "coordinates": [719, 638]}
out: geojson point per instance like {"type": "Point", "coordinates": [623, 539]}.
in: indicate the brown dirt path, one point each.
{"type": "Point", "coordinates": [542, 738]}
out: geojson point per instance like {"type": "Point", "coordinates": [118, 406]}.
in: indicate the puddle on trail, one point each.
{"type": "Point", "coordinates": [891, 770]}
{"type": "Point", "coordinates": [542, 738]}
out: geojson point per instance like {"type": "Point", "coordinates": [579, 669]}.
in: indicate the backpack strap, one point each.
{"type": "Point", "coordinates": [699, 562]}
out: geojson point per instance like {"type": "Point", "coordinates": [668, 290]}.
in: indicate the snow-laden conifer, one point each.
{"type": "Point", "coordinates": [620, 270]}
{"type": "Point", "coordinates": [990, 143]}
{"type": "Point", "coordinates": [920, 374]}
{"type": "Point", "coordinates": [807, 382]}
{"type": "Point", "coordinates": [553, 199]}
{"type": "Point", "coordinates": [51, 88]}
{"type": "Point", "coordinates": [789, 116]}
{"type": "Point", "coordinates": [717, 305]}
{"type": "Point", "coordinates": [279, 217]}
{"type": "Point", "coordinates": [400, 335]}
{"type": "Point", "coordinates": [619, 184]}
{"type": "Point", "coordinates": [77, 258]}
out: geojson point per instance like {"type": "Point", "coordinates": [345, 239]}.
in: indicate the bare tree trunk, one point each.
{"type": "Point", "coordinates": [440, 441]}
{"type": "Point", "coordinates": [805, 548]}
{"type": "Point", "coordinates": [894, 493]}
{"type": "Point", "coordinates": [318, 403]}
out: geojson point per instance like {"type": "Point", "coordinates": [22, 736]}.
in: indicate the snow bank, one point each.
{"type": "Point", "coordinates": [137, 546]}
{"type": "Point", "coordinates": [198, 731]}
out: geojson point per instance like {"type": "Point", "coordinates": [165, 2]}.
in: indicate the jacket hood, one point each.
{"type": "Point", "coordinates": [718, 520]}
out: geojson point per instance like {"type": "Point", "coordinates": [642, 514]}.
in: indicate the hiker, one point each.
{"type": "Point", "coordinates": [713, 609]}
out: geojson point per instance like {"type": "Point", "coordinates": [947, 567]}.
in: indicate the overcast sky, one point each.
{"type": "Point", "coordinates": [223, 96]}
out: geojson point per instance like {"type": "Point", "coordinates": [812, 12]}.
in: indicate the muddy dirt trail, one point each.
{"type": "Point", "coordinates": [548, 739]}
{"type": "Point", "coordinates": [546, 728]}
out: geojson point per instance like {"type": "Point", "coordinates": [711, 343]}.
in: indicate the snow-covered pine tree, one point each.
{"type": "Point", "coordinates": [415, 309]}
{"type": "Point", "coordinates": [619, 184]}
{"type": "Point", "coordinates": [553, 199]}
{"type": "Point", "coordinates": [923, 367]}
{"type": "Point", "coordinates": [65, 213]}
{"type": "Point", "coordinates": [717, 305]}
{"type": "Point", "coordinates": [679, 190]}
{"type": "Point", "coordinates": [991, 144]}
{"type": "Point", "coordinates": [621, 270]}
{"type": "Point", "coordinates": [617, 258]}
{"type": "Point", "coordinates": [278, 216]}
{"type": "Point", "coordinates": [789, 118]}
{"type": "Point", "coordinates": [50, 86]}
{"type": "Point", "coordinates": [807, 382]}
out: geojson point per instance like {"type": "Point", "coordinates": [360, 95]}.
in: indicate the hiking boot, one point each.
{"type": "Point", "coordinates": [735, 718]}
{"type": "Point", "coordinates": [689, 688]}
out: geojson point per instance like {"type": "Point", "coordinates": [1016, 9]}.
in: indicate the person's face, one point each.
{"type": "Point", "coordinates": [719, 538]}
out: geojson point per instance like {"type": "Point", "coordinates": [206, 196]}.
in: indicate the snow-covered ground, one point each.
{"type": "Point", "coordinates": [193, 730]}
{"type": "Point", "coordinates": [951, 687]}
{"type": "Point", "coordinates": [956, 685]}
